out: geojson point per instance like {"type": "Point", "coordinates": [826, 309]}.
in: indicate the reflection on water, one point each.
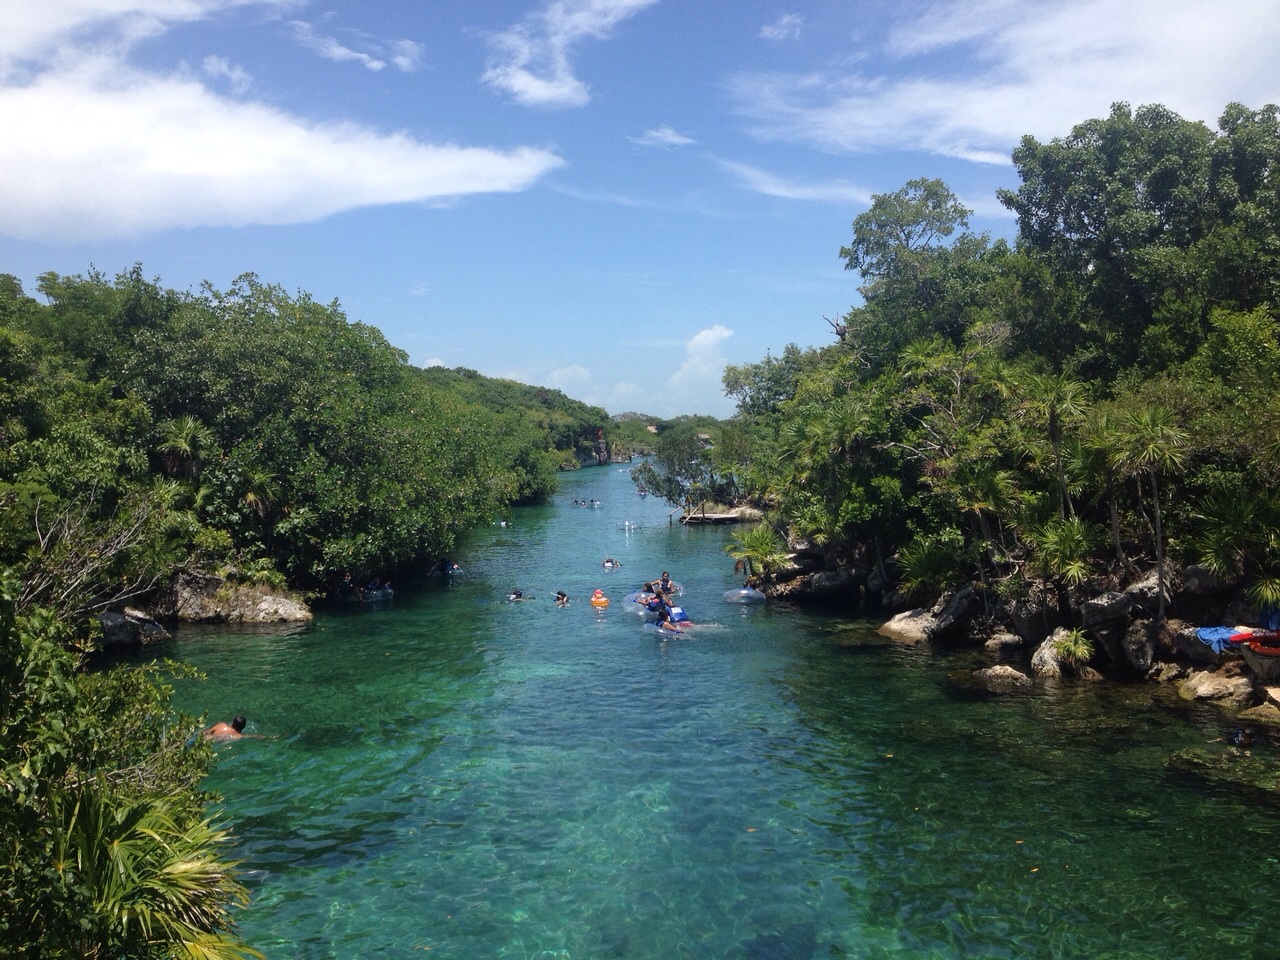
{"type": "Point", "coordinates": [467, 777]}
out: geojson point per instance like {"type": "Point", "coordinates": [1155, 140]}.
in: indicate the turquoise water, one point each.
{"type": "Point", "coordinates": [455, 776]}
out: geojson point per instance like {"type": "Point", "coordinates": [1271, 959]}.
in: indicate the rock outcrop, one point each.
{"type": "Point", "coordinates": [206, 598]}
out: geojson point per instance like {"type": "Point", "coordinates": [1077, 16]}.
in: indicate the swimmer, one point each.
{"type": "Point", "coordinates": [517, 596]}
{"type": "Point", "coordinates": [226, 731]}
{"type": "Point", "coordinates": [610, 563]}
{"type": "Point", "coordinates": [665, 622]}
{"type": "Point", "coordinates": [562, 598]}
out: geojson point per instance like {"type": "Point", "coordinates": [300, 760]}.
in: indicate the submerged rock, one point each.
{"type": "Point", "coordinates": [1233, 767]}
{"type": "Point", "coordinates": [1002, 678]}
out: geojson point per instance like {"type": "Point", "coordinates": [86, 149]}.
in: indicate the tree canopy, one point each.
{"type": "Point", "coordinates": [1098, 394]}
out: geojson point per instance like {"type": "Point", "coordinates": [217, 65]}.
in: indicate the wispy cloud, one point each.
{"type": "Point", "coordinates": [969, 80]}
{"type": "Point", "coordinates": [36, 31]}
{"type": "Point", "coordinates": [602, 196]}
{"type": "Point", "coordinates": [403, 54]}
{"type": "Point", "coordinates": [237, 78]}
{"type": "Point", "coordinates": [531, 60]}
{"type": "Point", "coordinates": [113, 150]}
{"type": "Point", "coordinates": [662, 137]}
{"type": "Point", "coordinates": [761, 181]}
{"type": "Point", "coordinates": [786, 27]}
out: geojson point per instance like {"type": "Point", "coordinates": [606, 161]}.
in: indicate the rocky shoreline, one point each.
{"type": "Point", "coordinates": [1023, 636]}
{"type": "Point", "coordinates": [199, 597]}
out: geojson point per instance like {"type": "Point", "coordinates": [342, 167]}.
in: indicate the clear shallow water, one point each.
{"type": "Point", "coordinates": [457, 776]}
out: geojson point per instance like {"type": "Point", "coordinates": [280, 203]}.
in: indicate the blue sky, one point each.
{"type": "Point", "coordinates": [611, 197]}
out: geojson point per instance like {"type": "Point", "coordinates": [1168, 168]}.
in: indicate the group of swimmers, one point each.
{"type": "Point", "coordinates": [655, 596]}
{"type": "Point", "coordinates": [586, 503]}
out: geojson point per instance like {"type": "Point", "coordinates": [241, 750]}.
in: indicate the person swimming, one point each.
{"type": "Point", "coordinates": [562, 598]}
{"type": "Point", "coordinates": [226, 731]}
{"type": "Point", "coordinates": [666, 624]}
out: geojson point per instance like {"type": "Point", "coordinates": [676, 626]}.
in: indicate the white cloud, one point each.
{"type": "Point", "coordinates": [433, 362]}
{"type": "Point", "coordinates": [237, 78]}
{"type": "Point", "coordinates": [403, 54]}
{"type": "Point", "coordinates": [330, 48]}
{"type": "Point", "coordinates": [531, 59]}
{"type": "Point", "coordinates": [664, 137]}
{"type": "Point", "coordinates": [570, 380]}
{"type": "Point", "coordinates": [969, 80]}
{"type": "Point", "coordinates": [695, 386]}
{"type": "Point", "coordinates": [753, 178]}
{"type": "Point", "coordinates": [110, 150]}
{"type": "Point", "coordinates": [786, 27]}
{"type": "Point", "coordinates": [34, 31]}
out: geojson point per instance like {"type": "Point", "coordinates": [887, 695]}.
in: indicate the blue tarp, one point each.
{"type": "Point", "coordinates": [1218, 638]}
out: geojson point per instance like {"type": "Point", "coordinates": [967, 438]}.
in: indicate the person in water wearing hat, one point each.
{"type": "Point", "coordinates": [598, 599]}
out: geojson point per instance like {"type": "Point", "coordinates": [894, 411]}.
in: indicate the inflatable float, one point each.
{"type": "Point", "coordinates": [744, 595]}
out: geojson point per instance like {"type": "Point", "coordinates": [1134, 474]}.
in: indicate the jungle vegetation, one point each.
{"type": "Point", "coordinates": [143, 431]}
{"type": "Point", "coordinates": [245, 428]}
{"type": "Point", "coordinates": [1077, 406]}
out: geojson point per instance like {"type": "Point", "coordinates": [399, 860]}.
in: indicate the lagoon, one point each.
{"type": "Point", "coordinates": [456, 776]}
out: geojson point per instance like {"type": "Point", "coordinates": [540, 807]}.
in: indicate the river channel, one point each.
{"type": "Point", "coordinates": [452, 775]}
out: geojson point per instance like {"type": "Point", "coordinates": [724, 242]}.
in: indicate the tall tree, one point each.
{"type": "Point", "coordinates": [1152, 444]}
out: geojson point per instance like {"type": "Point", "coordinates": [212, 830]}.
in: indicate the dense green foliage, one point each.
{"type": "Point", "coordinates": [1079, 405]}
{"type": "Point", "coordinates": [107, 849]}
{"type": "Point", "coordinates": [541, 430]}
{"type": "Point", "coordinates": [247, 428]}
{"type": "Point", "coordinates": [143, 431]}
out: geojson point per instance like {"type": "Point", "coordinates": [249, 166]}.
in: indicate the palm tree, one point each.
{"type": "Point", "coordinates": [185, 444]}
{"type": "Point", "coordinates": [757, 551]}
{"type": "Point", "coordinates": [1151, 443]}
{"type": "Point", "coordinates": [141, 882]}
{"type": "Point", "coordinates": [1059, 402]}
{"type": "Point", "coordinates": [1100, 442]}
{"type": "Point", "coordinates": [262, 492]}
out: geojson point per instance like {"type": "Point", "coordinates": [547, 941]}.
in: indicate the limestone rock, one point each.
{"type": "Point", "coordinates": [1266, 712]}
{"type": "Point", "coordinates": [1226, 683]}
{"type": "Point", "coordinates": [1045, 662]}
{"type": "Point", "coordinates": [1002, 678]}
{"type": "Point", "coordinates": [1003, 642]}
{"type": "Point", "coordinates": [833, 584]}
{"type": "Point", "coordinates": [129, 628]}
{"type": "Point", "coordinates": [205, 598]}
{"type": "Point", "coordinates": [953, 614]}
{"type": "Point", "coordinates": [1104, 608]}
{"type": "Point", "coordinates": [1032, 619]}
{"type": "Point", "coordinates": [1197, 580]}
{"type": "Point", "coordinates": [911, 626]}
{"type": "Point", "coordinates": [1139, 647]}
